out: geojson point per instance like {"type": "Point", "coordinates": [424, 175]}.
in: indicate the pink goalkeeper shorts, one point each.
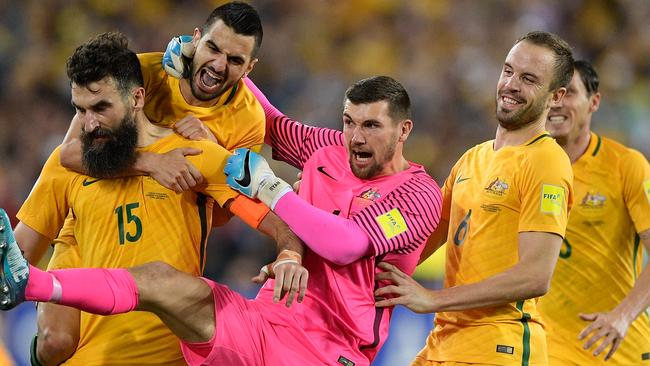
{"type": "Point", "coordinates": [244, 337]}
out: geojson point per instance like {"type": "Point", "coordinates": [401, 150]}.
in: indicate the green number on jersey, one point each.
{"type": "Point", "coordinates": [566, 249]}
{"type": "Point", "coordinates": [130, 218]}
{"type": "Point", "coordinates": [463, 229]}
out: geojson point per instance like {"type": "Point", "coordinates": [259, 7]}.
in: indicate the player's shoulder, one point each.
{"type": "Point", "coordinates": [614, 150]}
{"type": "Point", "coordinates": [544, 148]}
{"type": "Point", "coordinates": [243, 100]}
{"type": "Point", "coordinates": [149, 60]}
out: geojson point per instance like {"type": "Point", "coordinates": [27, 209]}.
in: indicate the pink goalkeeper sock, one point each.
{"type": "Point", "coordinates": [95, 290]}
{"type": "Point", "coordinates": [39, 286]}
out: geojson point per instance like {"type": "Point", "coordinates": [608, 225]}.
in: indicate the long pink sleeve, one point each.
{"type": "Point", "coordinates": [270, 112]}
{"type": "Point", "coordinates": [335, 238]}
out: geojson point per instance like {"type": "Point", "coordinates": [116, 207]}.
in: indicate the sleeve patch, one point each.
{"type": "Point", "coordinates": [646, 188]}
{"type": "Point", "coordinates": [552, 199]}
{"type": "Point", "coordinates": [392, 223]}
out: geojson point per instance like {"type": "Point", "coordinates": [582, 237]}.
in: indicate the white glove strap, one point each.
{"type": "Point", "coordinates": [271, 190]}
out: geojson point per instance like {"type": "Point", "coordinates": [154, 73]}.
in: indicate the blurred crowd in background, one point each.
{"type": "Point", "coordinates": [447, 53]}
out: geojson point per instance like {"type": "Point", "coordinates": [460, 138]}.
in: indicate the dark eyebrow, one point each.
{"type": "Point", "coordinates": [212, 44]}
{"type": "Point", "coordinates": [237, 58]}
{"type": "Point", "coordinates": [102, 104]}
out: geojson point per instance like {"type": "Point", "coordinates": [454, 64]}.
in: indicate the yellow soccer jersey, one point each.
{"type": "Point", "coordinates": [489, 198]}
{"type": "Point", "coordinates": [601, 254]}
{"type": "Point", "coordinates": [237, 119]}
{"type": "Point", "coordinates": [126, 222]}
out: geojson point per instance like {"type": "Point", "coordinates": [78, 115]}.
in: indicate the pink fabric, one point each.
{"type": "Point", "coordinates": [243, 336]}
{"type": "Point", "coordinates": [39, 286]}
{"type": "Point", "coordinates": [337, 239]}
{"type": "Point", "coordinates": [94, 290]}
{"type": "Point", "coordinates": [338, 313]}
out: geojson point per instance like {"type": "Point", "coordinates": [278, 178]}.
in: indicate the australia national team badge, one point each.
{"type": "Point", "coordinates": [593, 201]}
{"type": "Point", "coordinates": [365, 199]}
{"type": "Point", "coordinates": [497, 187]}
{"type": "Point", "coordinates": [371, 194]}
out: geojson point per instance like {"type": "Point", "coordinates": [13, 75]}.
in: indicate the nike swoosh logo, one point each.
{"type": "Point", "coordinates": [461, 179]}
{"type": "Point", "coordinates": [322, 170]}
{"type": "Point", "coordinates": [246, 180]}
{"type": "Point", "coordinates": [87, 182]}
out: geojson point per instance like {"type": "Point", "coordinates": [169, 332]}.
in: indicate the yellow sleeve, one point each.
{"type": "Point", "coordinates": [211, 163]}
{"type": "Point", "coordinates": [252, 122]}
{"type": "Point", "coordinates": [448, 188]}
{"type": "Point", "coordinates": [47, 205]}
{"type": "Point", "coordinates": [151, 66]}
{"type": "Point", "coordinates": [66, 252]}
{"type": "Point", "coordinates": [635, 172]}
{"type": "Point", "coordinates": [546, 191]}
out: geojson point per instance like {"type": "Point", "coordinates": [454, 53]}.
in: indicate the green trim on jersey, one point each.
{"type": "Point", "coordinates": [538, 138]}
{"type": "Point", "coordinates": [201, 202]}
{"type": "Point", "coordinates": [600, 140]}
{"type": "Point", "coordinates": [637, 241]}
{"type": "Point", "coordinates": [525, 353]}
{"type": "Point", "coordinates": [233, 91]}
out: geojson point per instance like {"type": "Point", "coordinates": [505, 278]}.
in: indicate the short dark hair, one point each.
{"type": "Point", "coordinates": [563, 55]}
{"type": "Point", "coordinates": [239, 16]}
{"type": "Point", "coordinates": [588, 75]}
{"type": "Point", "coordinates": [107, 54]}
{"type": "Point", "coordinates": [379, 88]}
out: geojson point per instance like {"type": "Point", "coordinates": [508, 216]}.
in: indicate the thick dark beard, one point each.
{"type": "Point", "coordinates": [520, 118]}
{"type": "Point", "coordinates": [115, 155]}
{"type": "Point", "coordinates": [198, 94]}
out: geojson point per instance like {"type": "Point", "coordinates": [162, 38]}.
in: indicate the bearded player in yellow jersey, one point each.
{"type": "Point", "coordinates": [236, 124]}
{"type": "Point", "coordinates": [598, 295]}
{"type": "Point", "coordinates": [505, 205]}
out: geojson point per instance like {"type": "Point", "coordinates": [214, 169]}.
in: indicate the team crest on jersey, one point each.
{"type": "Point", "coordinates": [497, 187]}
{"type": "Point", "coordinates": [593, 200]}
{"type": "Point", "coordinates": [371, 194]}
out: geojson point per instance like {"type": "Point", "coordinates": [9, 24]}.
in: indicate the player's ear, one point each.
{"type": "Point", "coordinates": [196, 36]}
{"type": "Point", "coordinates": [556, 98]}
{"type": "Point", "coordinates": [137, 98]}
{"type": "Point", "coordinates": [594, 102]}
{"type": "Point", "coordinates": [405, 129]}
{"type": "Point", "coordinates": [250, 67]}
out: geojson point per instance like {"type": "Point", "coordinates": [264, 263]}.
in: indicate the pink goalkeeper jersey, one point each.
{"type": "Point", "coordinates": [398, 212]}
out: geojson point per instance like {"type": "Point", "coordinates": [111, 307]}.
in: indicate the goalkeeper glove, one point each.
{"type": "Point", "coordinates": [178, 54]}
{"type": "Point", "coordinates": [251, 175]}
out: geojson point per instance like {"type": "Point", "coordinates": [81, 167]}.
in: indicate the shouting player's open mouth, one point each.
{"type": "Point", "coordinates": [209, 81]}
{"type": "Point", "coordinates": [361, 158]}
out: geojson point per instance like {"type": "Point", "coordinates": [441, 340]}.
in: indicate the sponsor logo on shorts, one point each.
{"type": "Point", "coordinates": [505, 349]}
{"type": "Point", "coordinates": [552, 199]}
{"type": "Point", "coordinates": [392, 223]}
{"type": "Point", "coordinates": [344, 361]}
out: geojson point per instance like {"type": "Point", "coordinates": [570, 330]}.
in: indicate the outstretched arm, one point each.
{"type": "Point", "coordinates": [530, 277]}
{"type": "Point", "coordinates": [612, 326]}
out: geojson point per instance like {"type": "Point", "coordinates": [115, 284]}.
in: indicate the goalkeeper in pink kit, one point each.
{"type": "Point", "coordinates": [360, 203]}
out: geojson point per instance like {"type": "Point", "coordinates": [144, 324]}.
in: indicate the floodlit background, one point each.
{"type": "Point", "coordinates": [447, 53]}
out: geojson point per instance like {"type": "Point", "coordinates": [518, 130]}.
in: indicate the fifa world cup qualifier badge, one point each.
{"type": "Point", "coordinates": [552, 199]}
